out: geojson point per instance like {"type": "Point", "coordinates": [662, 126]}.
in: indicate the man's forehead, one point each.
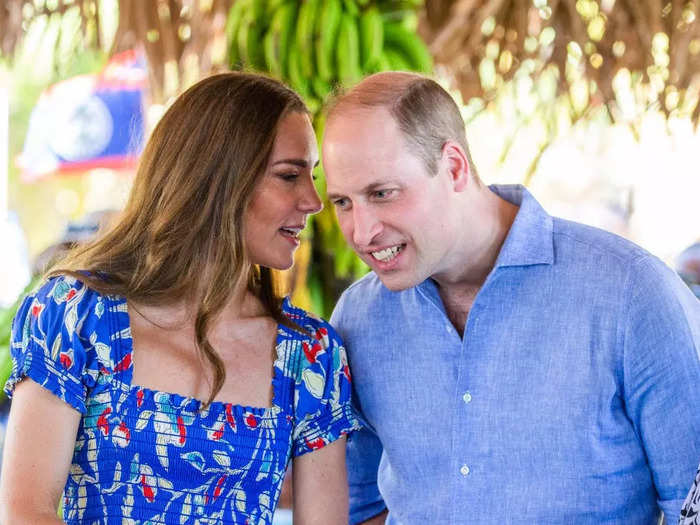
{"type": "Point", "coordinates": [356, 116]}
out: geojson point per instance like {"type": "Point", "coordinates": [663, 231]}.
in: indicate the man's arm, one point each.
{"type": "Point", "coordinates": [660, 331]}
{"type": "Point", "coordinates": [364, 451]}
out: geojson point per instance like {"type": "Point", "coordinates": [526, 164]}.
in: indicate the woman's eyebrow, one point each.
{"type": "Point", "coordinates": [302, 163]}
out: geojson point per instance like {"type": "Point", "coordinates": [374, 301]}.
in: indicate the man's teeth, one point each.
{"type": "Point", "coordinates": [386, 254]}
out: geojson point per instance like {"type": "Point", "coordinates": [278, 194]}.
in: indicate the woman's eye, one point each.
{"type": "Point", "coordinates": [289, 176]}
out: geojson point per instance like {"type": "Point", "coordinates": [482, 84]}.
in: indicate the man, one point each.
{"type": "Point", "coordinates": [510, 367]}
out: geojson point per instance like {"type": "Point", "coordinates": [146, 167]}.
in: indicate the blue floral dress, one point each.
{"type": "Point", "coordinates": [690, 513]}
{"type": "Point", "coordinates": [143, 456]}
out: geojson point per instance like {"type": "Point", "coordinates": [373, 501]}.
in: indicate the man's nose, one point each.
{"type": "Point", "coordinates": [366, 226]}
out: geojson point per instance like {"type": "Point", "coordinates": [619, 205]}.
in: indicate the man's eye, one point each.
{"type": "Point", "coordinates": [340, 203]}
{"type": "Point", "coordinates": [383, 194]}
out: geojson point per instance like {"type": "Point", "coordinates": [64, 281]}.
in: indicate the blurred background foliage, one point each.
{"type": "Point", "coordinates": [560, 63]}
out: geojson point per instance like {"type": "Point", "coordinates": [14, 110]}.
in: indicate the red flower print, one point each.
{"type": "Point", "coordinates": [311, 351]}
{"type": "Point", "coordinates": [66, 360]}
{"type": "Point", "coordinates": [71, 294]}
{"type": "Point", "coordinates": [139, 397]}
{"type": "Point", "coordinates": [316, 443]}
{"type": "Point", "coordinates": [147, 491]}
{"type": "Point", "coordinates": [123, 364]}
{"type": "Point", "coordinates": [217, 489]}
{"type": "Point", "coordinates": [251, 421]}
{"type": "Point", "coordinates": [102, 422]}
{"type": "Point", "coordinates": [216, 436]}
{"type": "Point", "coordinates": [36, 309]}
{"type": "Point", "coordinates": [182, 430]}
{"type": "Point", "coordinates": [229, 417]}
{"type": "Point", "coordinates": [124, 431]}
{"type": "Point", "coordinates": [321, 333]}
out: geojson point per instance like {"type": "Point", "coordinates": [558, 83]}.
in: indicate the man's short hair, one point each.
{"type": "Point", "coordinates": [425, 113]}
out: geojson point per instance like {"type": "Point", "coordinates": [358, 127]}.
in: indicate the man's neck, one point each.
{"type": "Point", "coordinates": [459, 286]}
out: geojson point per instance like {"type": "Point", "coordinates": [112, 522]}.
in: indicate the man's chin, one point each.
{"type": "Point", "coordinates": [398, 281]}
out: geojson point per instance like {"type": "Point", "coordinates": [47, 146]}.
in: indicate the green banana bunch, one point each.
{"type": "Point", "coordinates": [314, 44]}
{"type": "Point", "coordinates": [409, 45]}
{"type": "Point", "coordinates": [395, 60]}
{"type": "Point", "coordinates": [305, 36]}
{"type": "Point", "coordinates": [351, 7]}
{"type": "Point", "coordinates": [271, 6]}
{"type": "Point", "coordinates": [233, 22]}
{"type": "Point", "coordinates": [249, 38]}
{"type": "Point", "coordinates": [327, 26]}
{"type": "Point", "coordinates": [297, 79]}
{"type": "Point", "coordinates": [348, 50]}
{"type": "Point", "coordinates": [371, 37]}
{"type": "Point", "coordinates": [278, 37]}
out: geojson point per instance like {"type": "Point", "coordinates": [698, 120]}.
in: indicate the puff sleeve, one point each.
{"type": "Point", "coordinates": [47, 345]}
{"type": "Point", "coordinates": [323, 408]}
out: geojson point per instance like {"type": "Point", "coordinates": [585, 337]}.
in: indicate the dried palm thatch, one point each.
{"type": "Point", "coordinates": [480, 43]}
{"type": "Point", "coordinates": [654, 43]}
{"type": "Point", "coordinates": [183, 39]}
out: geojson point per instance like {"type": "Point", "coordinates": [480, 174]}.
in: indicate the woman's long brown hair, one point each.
{"type": "Point", "coordinates": [180, 235]}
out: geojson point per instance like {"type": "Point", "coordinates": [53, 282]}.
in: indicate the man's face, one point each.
{"type": "Point", "coordinates": [394, 214]}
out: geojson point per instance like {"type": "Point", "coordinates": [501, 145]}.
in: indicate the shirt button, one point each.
{"type": "Point", "coordinates": [464, 470]}
{"type": "Point", "coordinates": [467, 397]}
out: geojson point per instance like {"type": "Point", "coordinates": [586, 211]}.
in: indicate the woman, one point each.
{"type": "Point", "coordinates": [176, 305]}
{"type": "Point", "coordinates": [690, 513]}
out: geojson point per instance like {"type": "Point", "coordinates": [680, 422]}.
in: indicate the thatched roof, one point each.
{"type": "Point", "coordinates": [587, 41]}
{"type": "Point", "coordinates": [657, 41]}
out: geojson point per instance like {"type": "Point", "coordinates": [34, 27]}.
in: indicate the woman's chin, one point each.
{"type": "Point", "coordinates": [277, 264]}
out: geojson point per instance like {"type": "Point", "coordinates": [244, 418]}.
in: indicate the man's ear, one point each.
{"type": "Point", "coordinates": [455, 160]}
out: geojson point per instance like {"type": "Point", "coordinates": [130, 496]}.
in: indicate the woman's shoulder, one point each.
{"type": "Point", "coordinates": [61, 338]}
{"type": "Point", "coordinates": [64, 291]}
{"type": "Point", "coordinates": [68, 302]}
{"type": "Point", "coordinates": [315, 327]}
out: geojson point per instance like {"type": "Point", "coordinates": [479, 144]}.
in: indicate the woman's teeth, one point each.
{"type": "Point", "coordinates": [387, 254]}
{"type": "Point", "coordinates": [292, 232]}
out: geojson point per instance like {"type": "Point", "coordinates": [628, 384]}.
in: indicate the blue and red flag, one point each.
{"type": "Point", "coordinates": [88, 121]}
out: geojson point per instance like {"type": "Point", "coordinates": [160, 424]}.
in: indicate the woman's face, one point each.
{"type": "Point", "coordinates": [284, 196]}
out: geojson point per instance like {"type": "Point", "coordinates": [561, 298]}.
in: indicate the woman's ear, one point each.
{"type": "Point", "coordinates": [455, 160]}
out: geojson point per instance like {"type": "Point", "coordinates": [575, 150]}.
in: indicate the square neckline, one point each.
{"type": "Point", "coordinates": [126, 347]}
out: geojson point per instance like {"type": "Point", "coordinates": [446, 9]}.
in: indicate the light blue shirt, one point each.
{"type": "Point", "coordinates": [571, 398]}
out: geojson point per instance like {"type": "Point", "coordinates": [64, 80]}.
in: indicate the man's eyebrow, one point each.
{"type": "Point", "coordinates": [302, 163]}
{"type": "Point", "coordinates": [367, 189]}
{"type": "Point", "coordinates": [373, 186]}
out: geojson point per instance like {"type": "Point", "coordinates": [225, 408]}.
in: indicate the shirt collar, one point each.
{"type": "Point", "coordinates": [530, 239]}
